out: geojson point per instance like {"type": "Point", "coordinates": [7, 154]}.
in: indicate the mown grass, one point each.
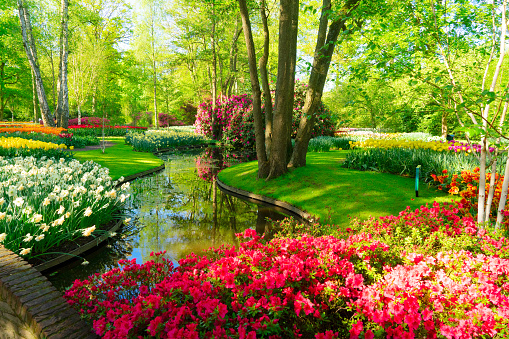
{"type": "Point", "coordinates": [335, 194]}
{"type": "Point", "coordinates": [120, 159]}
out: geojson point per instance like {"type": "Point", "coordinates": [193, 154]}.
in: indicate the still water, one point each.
{"type": "Point", "coordinates": [179, 210]}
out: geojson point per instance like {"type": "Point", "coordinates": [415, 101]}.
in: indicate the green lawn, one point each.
{"type": "Point", "coordinates": [335, 194]}
{"type": "Point", "coordinates": [120, 159]}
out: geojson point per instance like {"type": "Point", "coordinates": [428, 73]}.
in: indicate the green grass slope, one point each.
{"type": "Point", "coordinates": [120, 159]}
{"type": "Point", "coordinates": [334, 194]}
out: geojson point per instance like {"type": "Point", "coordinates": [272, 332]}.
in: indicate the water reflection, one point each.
{"type": "Point", "coordinates": [179, 210]}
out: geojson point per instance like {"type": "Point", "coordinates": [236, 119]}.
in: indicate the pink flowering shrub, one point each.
{"type": "Point", "coordinates": [455, 295]}
{"type": "Point", "coordinates": [284, 288]}
{"type": "Point", "coordinates": [425, 273]}
{"type": "Point", "coordinates": [235, 122]}
{"type": "Point", "coordinates": [89, 121]}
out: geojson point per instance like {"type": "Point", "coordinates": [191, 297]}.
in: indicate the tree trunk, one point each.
{"type": "Point", "coordinates": [62, 110]}
{"type": "Point", "coordinates": [323, 53]}
{"type": "Point", "coordinates": [154, 69]}
{"type": "Point", "coordinates": [29, 45]}
{"type": "Point", "coordinates": [444, 125]}
{"type": "Point", "coordinates": [263, 169]}
{"type": "Point", "coordinates": [285, 87]}
{"type": "Point", "coordinates": [2, 102]}
{"type": "Point", "coordinates": [214, 72]}
{"type": "Point", "coordinates": [265, 78]}
{"type": "Point", "coordinates": [34, 96]}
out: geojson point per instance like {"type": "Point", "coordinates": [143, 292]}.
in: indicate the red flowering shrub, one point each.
{"type": "Point", "coordinates": [273, 290]}
{"type": "Point", "coordinates": [404, 276]}
{"type": "Point", "coordinates": [456, 295]}
{"type": "Point", "coordinates": [88, 121]}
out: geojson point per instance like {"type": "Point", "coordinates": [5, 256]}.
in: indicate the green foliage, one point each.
{"type": "Point", "coordinates": [326, 143]}
{"type": "Point", "coordinates": [155, 140]}
{"type": "Point", "coordinates": [404, 161]}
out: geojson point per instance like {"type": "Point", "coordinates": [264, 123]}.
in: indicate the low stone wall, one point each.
{"type": "Point", "coordinates": [30, 307]}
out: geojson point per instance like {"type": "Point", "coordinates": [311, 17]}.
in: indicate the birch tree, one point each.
{"type": "Point", "coordinates": [31, 52]}
{"type": "Point", "coordinates": [62, 109]}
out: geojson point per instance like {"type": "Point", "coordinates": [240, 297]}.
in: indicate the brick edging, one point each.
{"type": "Point", "coordinates": [37, 302]}
{"type": "Point", "coordinates": [281, 204]}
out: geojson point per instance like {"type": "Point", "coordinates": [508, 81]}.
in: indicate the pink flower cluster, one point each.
{"type": "Point", "coordinates": [392, 277]}
{"type": "Point", "coordinates": [88, 121]}
{"type": "Point", "coordinates": [456, 295]}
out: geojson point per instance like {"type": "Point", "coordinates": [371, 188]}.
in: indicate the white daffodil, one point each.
{"type": "Point", "coordinates": [2, 201]}
{"type": "Point", "coordinates": [28, 238]}
{"type": "Point", "coordinates": [37, 217]}
{"type": "Point", "coordinates": [2, 237]}
{"type": "Point", "coordinates": [88, 212]}
{"type": "Point", "coordinates": [19, 201]}
{"type": "Point", "coordinates": [61, 209]}
{"type": "Point", "coordinates": [88, 231]}
{"type": "Point", "coordinates": [39, 237]}
{"type": "Point", "coordinates": [46, 202]}
{"type": "Point", "coordinates": [25, 251]}
{"type": "Point", "coordinates": [2, 215]}
{"type": "Point", "coordinates": [44, 227]}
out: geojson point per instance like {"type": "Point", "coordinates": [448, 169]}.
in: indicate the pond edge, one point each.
{"type": "Point", "coordinates": [266, 200]}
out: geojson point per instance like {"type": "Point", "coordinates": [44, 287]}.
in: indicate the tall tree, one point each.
{"type": "Point", "coordinates": [326, 41]}
{"type": "Point", "coordinates": [62, 109]}
{"type": "Point", "coordinates": [31, 52]}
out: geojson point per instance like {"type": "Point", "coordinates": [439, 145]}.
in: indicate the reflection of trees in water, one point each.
{"type": "Point", "coordinates": [177, 211]}
{"type": "Point", "coordinates": [191, 216]}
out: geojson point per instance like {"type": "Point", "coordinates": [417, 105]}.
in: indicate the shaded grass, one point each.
{"type": "Point", "coordinates": [334, 194]}
{"type": "Point", "coordinates": [120, 159]}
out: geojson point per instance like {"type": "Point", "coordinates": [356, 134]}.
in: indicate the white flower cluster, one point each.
{"type": "Point", "coordinates": [43, 201]}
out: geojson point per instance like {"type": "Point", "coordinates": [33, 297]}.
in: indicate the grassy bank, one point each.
{"type": "Point", "coordinates": [335, 194]}
{"type": "Point", "coordinates": [120, 159]}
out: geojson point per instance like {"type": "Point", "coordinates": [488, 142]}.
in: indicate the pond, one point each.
{"type": "Point", "coordinates": [179, 210]}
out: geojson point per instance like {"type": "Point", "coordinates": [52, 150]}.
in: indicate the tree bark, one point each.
{"type": "Point", "coordinates": [62, 109]}
{"type": "Point", "coordinates": [214, 73]}
{"type": "Point", "coordinates": [30, 50]}
{"type": "Point", "coordinates": [263, 165]}
{"type": "Point", "coordinates": [324, 49]}
{"type": "Point", "coordinates": [285, 87]}
{"type": "Point", "coordinates": [265, 79]}
{"type": "Point", "coordinates": [154, 68]}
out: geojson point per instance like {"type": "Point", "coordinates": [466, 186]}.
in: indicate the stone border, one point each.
{"type": "Point", "coordinates": [75, 253]}
{"type": "Point", "coordinates": [281, 204]}
{"type": "Point", "coordinates": [34, 299]}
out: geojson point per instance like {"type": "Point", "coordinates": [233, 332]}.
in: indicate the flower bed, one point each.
{"type": "Point", "coordinates": [12, 147]}
{"type": "Point", "coordinates": [322, 287]}
{"type": "Point", "coordinates": [46, 202]}
{"type": "Point", "coordinates": [109, 131]}
{"type": "Point", "coordinates": [154, 140]}
{"type": "Point", "coordinates": [32, 128]}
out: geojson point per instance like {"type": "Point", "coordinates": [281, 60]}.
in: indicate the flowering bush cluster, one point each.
{"type": "Point", "coordinates": [165, 119]}
{"type": "Point", "coordinates": [45, 202]}
{"type": "Point", "coordinates": [88, 121]}
{"type": "Point", "coordinates": [281, 289]}
{"type": "Point", "coordinates": [96, 130]}
{"type": "Point", "coordinates": [235, 122]}
{"type": "Point", "coordinates": [354, 284]}
{"type": "Point", "coordinates": [466, 185]}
